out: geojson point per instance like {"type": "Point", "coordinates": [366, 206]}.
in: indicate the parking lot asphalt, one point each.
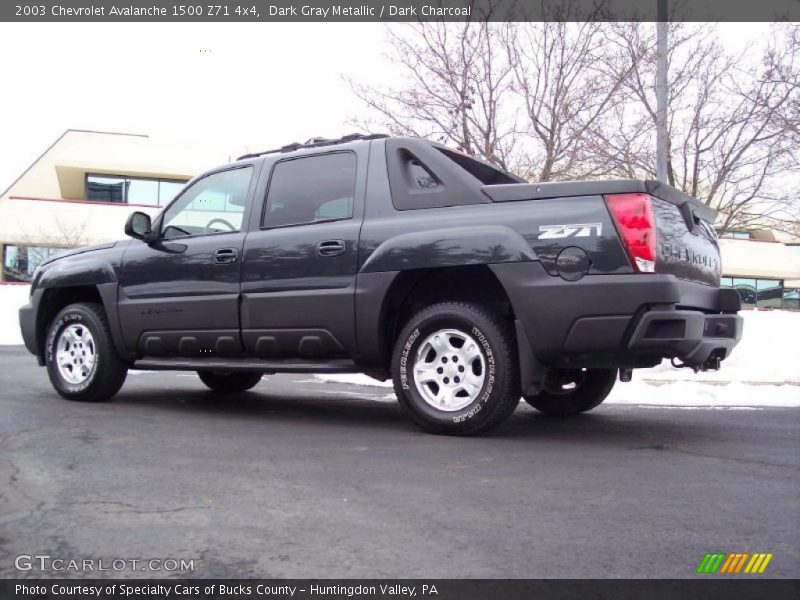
{"type": "Point", "coordinates": [300, 478]}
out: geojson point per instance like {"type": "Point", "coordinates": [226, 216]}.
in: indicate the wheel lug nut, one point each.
{"type": "Point", "coordinates": [444, 359]}
{"type": "Point", "coordinates": [446, 380]}
{"type": "Point", "coordinates": [440, 370]}
{"type": "Point", "coordinates": [456, 379]}
{"type": "Point", "coordinates": [455, 359]}
{"type": "Point", "coordinates": [460, 368]}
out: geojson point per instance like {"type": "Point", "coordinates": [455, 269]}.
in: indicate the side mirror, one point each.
{"type": "Point", "coordinates": [139, 226]}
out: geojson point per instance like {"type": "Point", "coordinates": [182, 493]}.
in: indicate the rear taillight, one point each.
{"type": "Point", "coordinates": [636, 225]}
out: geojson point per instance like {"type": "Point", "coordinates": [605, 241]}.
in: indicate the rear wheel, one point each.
{"type": "Point", "coordinates": [455, 369]}
{"type": "Point", "coordinates": [81, 360]}
{"type": "Point", "coordinates": [228, 382]}
{"type": "Point", "coordinates": [573, 391]}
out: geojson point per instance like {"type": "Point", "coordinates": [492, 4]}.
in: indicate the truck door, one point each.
{"type": "Point", "coordinates": [180, 296]}
{"type": "Point", "coordinates": [301, 256]}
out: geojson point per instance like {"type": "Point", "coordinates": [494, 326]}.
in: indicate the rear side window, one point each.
{"type": "Point", "coordinates": [421, 175]}
{"type": "Point", "coordinates": [311, 189]}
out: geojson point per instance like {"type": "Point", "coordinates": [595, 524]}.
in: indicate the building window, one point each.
{"type": "Point", "coordinates": [131, 190]}
{"type": "Point", "coordinates": [791, 298]}
{"type": "Point", "coordinates": [747, 291]}
{"type": "Point", "coordinates": [762, 293]}
{"type": "Point", "coordinates": [769, 293]}
{"type": "Point", "coordinates": [736, 235]}
{"type": "Point", "coordinates": [19, 262]}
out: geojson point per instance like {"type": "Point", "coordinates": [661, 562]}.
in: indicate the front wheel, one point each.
{"type": "Point", "coordinates": [228, 382]}
{"type": "Point", "coordinates": [455, 369]}
{"type": "Point", "coordinates": [81, 360]}
{"type": "Point", "coordinates": [573, 391]}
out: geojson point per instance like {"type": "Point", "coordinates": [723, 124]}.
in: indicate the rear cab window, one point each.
{"type": "Point", "coordinates": [311, 189]}
{"type": "Point", "coordinates": [425, 175]}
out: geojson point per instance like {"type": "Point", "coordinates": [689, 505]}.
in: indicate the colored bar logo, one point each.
{"type": "Point", "coordinates": [734, 563]}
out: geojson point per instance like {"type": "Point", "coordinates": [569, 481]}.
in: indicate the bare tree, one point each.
{"type": "Point", "coordinates": [40, 243]}
{"type": "Point", "coordinates": [732, 122]}
{"type": "Point", "coordinates": [456, 88]}
{"type": "Point", "coordinates": [523, 95]}
{"type": "Point", "coordinates": [58, 233]}
{"type": "Point", "coordinates": [555, 100]}
{"type": "Point", "coordinates": [565, 78]}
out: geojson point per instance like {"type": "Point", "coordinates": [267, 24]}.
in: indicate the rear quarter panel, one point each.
{"type": "Point", "coordinates": [492, 233]}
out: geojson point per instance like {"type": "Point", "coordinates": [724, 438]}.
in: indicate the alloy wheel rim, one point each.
{"type": "Point", "coordinates": [76, 353]}
{"type": "Point", "coordinates": [449, 370]}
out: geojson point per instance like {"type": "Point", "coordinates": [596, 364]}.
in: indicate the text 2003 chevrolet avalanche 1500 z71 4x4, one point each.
{"type": "Point", "coordinates": [395, 257]}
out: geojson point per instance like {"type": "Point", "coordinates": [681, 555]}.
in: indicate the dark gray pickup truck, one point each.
{"type": "Point", "coordinates": [399, 258]}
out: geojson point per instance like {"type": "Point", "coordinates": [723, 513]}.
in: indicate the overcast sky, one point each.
{"type": "Point", "coordinates": [258, 84]}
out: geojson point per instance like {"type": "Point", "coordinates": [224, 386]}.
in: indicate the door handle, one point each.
{"type": "Point", "coordinates": [226, 255]}
{"type": "Point", "coordinates": [331, 248]}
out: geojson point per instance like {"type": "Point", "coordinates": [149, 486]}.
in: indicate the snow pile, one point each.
{"type": "Point", "coordinates": [354, 379]}
{"type": "Point", "coordinates": [699, 393]}
{"type": "Point", "coordinates": [12, 297]}
{"type": "Point", "coordinates": [768, 353]}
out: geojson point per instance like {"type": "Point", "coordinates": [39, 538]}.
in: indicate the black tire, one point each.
{"type": "Point", "coordinates": [108, 371]}
{"type": "Point", "coordinates": [498, 395]}
{"type": "Point", "coordinates": [230, 382]}
{"type": "Point", "coordinates": [574, 391]}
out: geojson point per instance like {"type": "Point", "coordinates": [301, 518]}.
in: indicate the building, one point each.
{"type": "Point", "coordinates": [81, 190]}
{"type": "Point", "coordinates": [763, 266]}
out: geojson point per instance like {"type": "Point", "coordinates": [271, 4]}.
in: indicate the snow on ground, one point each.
{"type": "Point", "coordinates": [11, 298]}
{"type": "Point", "coordinates": [354, 378]}
{"type": "Point", "coordinates": [769, 352]}
{"type": "Point", "coordinates": [763, 370]}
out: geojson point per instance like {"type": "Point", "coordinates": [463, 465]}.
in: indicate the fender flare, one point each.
{"type": "Point", "coordinates": [430, 249]}
{"type": "Point", "coordinates": [87, 272]}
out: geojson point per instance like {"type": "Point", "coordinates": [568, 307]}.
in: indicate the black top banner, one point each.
{"type": "Point", "coordinates": [398, 10]}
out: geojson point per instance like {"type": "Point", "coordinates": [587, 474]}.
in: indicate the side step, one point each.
{"type": "Point", "coordinates": [247, 364]}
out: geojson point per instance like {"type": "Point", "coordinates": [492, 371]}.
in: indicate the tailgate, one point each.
{"type": "Point", "coordinates": [686, 243]}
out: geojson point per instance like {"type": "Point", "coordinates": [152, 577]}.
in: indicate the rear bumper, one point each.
{"type": "Point", "coordinates": [622, 321]}
{"type": "Point", "coordinates": [696, 338]}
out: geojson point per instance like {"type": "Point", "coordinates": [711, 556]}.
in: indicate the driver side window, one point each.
{"type": "Point", "coordinates": [215, 204]}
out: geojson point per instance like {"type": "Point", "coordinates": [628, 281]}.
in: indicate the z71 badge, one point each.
{"type": "Point", "coordinates": [555, 232]}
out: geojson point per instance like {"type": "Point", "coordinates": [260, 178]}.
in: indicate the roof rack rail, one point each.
{"type": "Point", "coordinates": [317, 142]}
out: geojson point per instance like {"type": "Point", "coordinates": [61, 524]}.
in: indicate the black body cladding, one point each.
{"type": "Point", "coordinates": [319, 279]}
